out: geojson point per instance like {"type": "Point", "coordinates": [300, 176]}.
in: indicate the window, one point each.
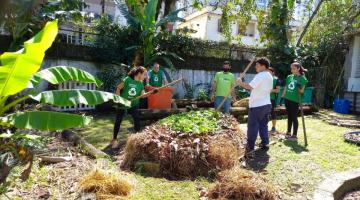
{"type": "Point", "coordinates": [250, 30]}
{"type": "Point", "coordinates": [261, 4]}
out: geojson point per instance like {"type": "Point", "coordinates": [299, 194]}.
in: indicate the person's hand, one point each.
{"type": "Point", "coordinates": [234, 99]}
{"type": "Point", "coordinates": [239, 81]}
{"type": "Point", "coordinates": [154, 91]}
{"type": "Point", "coordinates": [212, 98]}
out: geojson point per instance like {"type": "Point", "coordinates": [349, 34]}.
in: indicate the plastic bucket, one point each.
{"type": "Point", "coordinates": [160, 100]}
{"type": "Point", "coordinates": [341, 106]}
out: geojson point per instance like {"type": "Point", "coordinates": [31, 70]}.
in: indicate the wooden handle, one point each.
{"type": "Point", "coordinates": [159, 88]}
{"type": "Point", "coordinates": [233, 87]}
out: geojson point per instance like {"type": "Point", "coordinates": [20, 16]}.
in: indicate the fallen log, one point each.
{"type": "Point", "coordinates": [89, 149]}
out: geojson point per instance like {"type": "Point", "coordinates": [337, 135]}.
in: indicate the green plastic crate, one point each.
{"type": "Point", "coordinates": [307, 97]}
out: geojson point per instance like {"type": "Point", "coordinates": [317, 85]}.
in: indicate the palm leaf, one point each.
{"type": "Point", "coordinates": [131, 20]}
{"type": "Point", "coordinates": [171, 17]}
{"type": "Point", "coordinates": [75, 97]}
{"type": "Point", "coordinates": [60, 74]}
{"type": "Point", "coordinates": [46, 120]}
{"type": "Point", "coordinates": [150, 14]}
{"type": "Point", "coordinates": [18, 67]}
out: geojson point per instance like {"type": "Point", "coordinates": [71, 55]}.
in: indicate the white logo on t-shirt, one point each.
{"type": "Point", "coordinates": [292, 85]}
{"type": "Point", "coordinates": [132, 91]}
{"type": "Point", "coordinates": [156, 78]}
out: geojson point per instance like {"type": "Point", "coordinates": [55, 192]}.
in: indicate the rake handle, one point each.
{"type": "Point", "coordinates": [233, 87]}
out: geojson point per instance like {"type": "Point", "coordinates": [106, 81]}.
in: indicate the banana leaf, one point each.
{"type": "Point", "coordinates": [74, 97]}
{"type": "Point", "coordinates": [59, 74]}
{"type": "Point", "coordinates": [17, 68]}
{"type": "Point", "coordinates": [46, 120]}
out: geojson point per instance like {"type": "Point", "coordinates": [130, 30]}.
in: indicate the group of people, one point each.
{"type": "Point", "coordinates": [132, 88]}
{"type": "Point", "coordinates": [264, 89]}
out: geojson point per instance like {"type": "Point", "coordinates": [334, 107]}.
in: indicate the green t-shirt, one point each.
{"type": "Point", "coordinates": [224, 81]}
{"type": "Point", "coordinates": [292, 88]}
{"type": "Point", "coordinates": [276, 83]}
{"type": "Point", "coordinates": [156, 79]}
{"type": "Point", "coordinates": [132, 89]}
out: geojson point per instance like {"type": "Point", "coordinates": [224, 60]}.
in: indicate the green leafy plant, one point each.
{"type": "Point", "coordinates": [142, 20]}
{"type": "Point", "coordinates": [203, 95]}
{"type": "Point", "coordinates": [19, 74]}
{"type": "Point", "coordinates": [198, 122]}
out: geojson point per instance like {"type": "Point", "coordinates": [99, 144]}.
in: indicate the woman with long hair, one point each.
{"type": "Point", "coordinates": [130, 88]}
{"type": "Point", "coordinates": [294, 88]}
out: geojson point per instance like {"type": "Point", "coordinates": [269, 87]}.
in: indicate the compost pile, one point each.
{"type": "Point", "coordinates": [186, 145]}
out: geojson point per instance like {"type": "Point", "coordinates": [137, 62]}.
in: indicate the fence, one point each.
{"type": "Point", "coordinates": [75, 85]}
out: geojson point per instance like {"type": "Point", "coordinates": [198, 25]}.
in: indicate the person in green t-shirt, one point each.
{"type": "Point", "coordinates": [273, 96]}
{"type": "Point", "coordinates": [222, 87]}
{"type": "Point", "coordinates": [130, 88]}
{"type": "Point", "coordinates": [156, 76]}
{"type": "Point", "coordinates": [294, 88]}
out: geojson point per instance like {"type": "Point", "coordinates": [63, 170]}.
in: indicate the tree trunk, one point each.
{"type": "Point", "coordinates": [88, 148]}
{"type": "Point", "coordinates": [309, 22]}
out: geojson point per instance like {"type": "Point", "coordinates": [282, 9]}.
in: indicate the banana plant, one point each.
{"type": "Point", "coordinates": [19, 71]}
{"type": "Point", "coordinates": [143, 21]}
{"type": "Point", "coordinates": [19, 81]}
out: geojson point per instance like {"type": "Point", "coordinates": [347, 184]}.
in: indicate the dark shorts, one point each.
{"type": "Point", "coordinates": [272, 113]}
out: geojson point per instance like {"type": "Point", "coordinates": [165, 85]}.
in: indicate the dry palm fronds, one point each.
{"type": "Point", "coordinates": [105, 185]}
{"type": "Point", "coordinates": [238, 183]}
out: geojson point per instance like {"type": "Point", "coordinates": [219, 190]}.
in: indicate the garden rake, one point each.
{"type": "Point", "coordinates": [303, 119]}
{"type": "Point", "coordinates": [159, 88]}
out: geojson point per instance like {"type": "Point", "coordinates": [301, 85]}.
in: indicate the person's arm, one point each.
{"type": "Point", "coordinates": [164, 78]}
{"type": "Point", "coordinates": [276, 90]}
{"type": "Point", "coordinates": [301, 84]}
{"type": "Point", "coordinates": [233, 94]}
{"type": "Point", "coordinates": [245, 85]}
{"type": "Point", "coordinates": [154, 91]}
{"type": "Point", "coordinates": [119, 88]}
{"type": "Point", "coordinates": [148, 78]}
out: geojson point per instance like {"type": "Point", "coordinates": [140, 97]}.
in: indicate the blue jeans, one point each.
{"type": "Point", "coordinates": [258, 123]}
{"type": "Point", "coordinates": [226, 106]}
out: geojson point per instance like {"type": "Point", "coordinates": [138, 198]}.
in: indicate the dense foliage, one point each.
{"type": "Point", "coordinates": [198, 122]}
{"type": "Point", "coordinates": [19, 83]}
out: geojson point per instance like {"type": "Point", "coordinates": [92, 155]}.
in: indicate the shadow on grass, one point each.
{"type": "Point", "coordinates": [295, 146]}
{"type": "Point", "coordinates": [259, 162]}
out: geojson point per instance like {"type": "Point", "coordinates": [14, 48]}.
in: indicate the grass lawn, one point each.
{"type": "Point", "coordinates": [293, 169]}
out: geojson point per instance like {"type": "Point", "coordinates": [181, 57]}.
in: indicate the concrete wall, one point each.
{"type": "Point", "coordinates": [91, 67]}
{"type": "Point", "coordinates": [352, 66]}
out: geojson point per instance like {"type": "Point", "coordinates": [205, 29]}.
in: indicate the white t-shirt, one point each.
{"type": "Point", "coordinates": [262, 85]}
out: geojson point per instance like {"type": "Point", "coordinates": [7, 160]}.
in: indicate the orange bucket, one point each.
{"type": "Point", "coordinates": [160, 100]}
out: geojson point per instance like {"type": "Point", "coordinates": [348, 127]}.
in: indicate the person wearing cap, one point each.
{"type": "Point", "coordinates": [259, 106]}
{"type": "Point", "coordinates": [222, 87]}
{"type": "Point", "coordinates": [273, 96]}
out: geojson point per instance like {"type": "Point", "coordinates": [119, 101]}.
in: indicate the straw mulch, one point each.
{"type": "Point", "coordinates": [185, 155]}
{"type": "Point", "coordinates": [242, 103]}
{"type": "Point", "coordinates": [105, 185]}
{"type": "Point", "coordinates": [241, 184]}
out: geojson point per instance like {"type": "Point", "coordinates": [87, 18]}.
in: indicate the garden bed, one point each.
{"type": "Point", "coordinates": [197, 143]}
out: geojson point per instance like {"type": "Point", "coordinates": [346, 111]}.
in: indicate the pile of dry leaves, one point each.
{"type": "Point", "coordinates": [238, 183]}
{"type": "Point", "coordinates": [174, 154]}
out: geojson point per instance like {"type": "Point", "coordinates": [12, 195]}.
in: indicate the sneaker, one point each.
{"type": "Point", "coordinates": [249, 154]}
{"type": "Point", "coordinates": [287, 135]}
{"type": "Point", "coordinates": [264, 147]}
{"type": "Point", "coordinates": [273, 129]}
{"type": "Point", "coordinates": [292, 138]}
